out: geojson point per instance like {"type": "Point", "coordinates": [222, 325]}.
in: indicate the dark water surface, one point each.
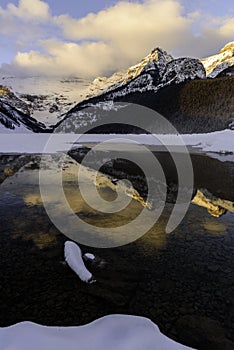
{"type": "Point", "coordinates": [183, 281]}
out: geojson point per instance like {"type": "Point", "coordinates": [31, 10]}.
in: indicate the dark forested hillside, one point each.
{"type": "Point", "coordinates": [196, 106]}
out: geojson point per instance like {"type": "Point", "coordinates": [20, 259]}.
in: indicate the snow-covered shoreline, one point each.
{"type": "Point", "coordinates": [220, 142]}
{"type": "Point", "coordinates": [115, 332]}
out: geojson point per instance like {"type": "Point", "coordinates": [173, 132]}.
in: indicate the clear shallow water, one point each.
{"type": "Point", "coordinates": [164, 277]}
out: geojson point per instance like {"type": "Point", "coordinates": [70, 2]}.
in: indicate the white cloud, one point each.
{"type": "Point", "coordinates": [132, 29]}
{"type": "Point", "coordinates": [109, 40]}
{"type": "Point", "coordinates": [24, 24]}
{"type": "Point", "coordinates": [87, 59]}
{"type": "Point", "coordinates": [214, 33]}
{"type": "Point", "coordinates": [30, 10]}
{"type": "Point", "coordinates": [227, 27]}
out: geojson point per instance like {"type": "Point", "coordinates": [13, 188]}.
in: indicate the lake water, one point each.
{"type": "Point", "coordinates": [180, 280]}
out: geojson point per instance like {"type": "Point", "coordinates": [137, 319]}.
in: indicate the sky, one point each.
{"type": "Point", "coordinates": [89, 38]}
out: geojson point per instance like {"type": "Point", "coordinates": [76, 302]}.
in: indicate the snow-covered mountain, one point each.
{"type": "Point", "coordinates": [15, 115]}
{"type": "Point", "coordinates": [47, 98]}
{"type": "Point", "coordinates": [164, 84]}
{"type": "Point", "coordinates": [36, 103]}
{"type": "Point", "coordinates": [178, 89]}
{"type": "Point", "coordinates": [102, 83]}
{"type": "Point", "coordinates": [220, 64]}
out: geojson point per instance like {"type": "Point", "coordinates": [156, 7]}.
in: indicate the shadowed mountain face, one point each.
{"type": "Point", "coordinates": [182, 94]}
{"type": "Point", "coordinates": [180, 89]}
{"type": "Point", "coordinates": [198, 106]}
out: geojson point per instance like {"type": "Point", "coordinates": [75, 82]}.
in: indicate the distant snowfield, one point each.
{"type": "Point", "coordinates": [70, 88]}
{"type": "Point", "coordinates": [218, 143]}
{"type": "Point", "coordinates": [67, 91]}
{"type": "Point", "coordinates": [114, 332]}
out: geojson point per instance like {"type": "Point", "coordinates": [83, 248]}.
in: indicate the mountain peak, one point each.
{"type": "Point", "coordinates": [159, 52]}
{"type": "Point", "coordinates": [214, 66]}
{"type": "Point", "coordinates": [220, 61]}
{"type": "Point", "coordinates": [157, 55]}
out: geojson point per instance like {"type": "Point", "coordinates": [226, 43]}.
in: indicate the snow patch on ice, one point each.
{"type": "Point", "coordinates": [73, 257]}
{"type": "Point", "coordinates": [89, 256]}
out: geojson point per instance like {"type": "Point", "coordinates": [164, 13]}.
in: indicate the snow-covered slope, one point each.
{"type": "Point", "coordinates": [215, 64]}
{"type": "Point", "coordinates": [47, 98]}
{"type": "Point", "coordinates": [155, 76]}
{"type": "Point", "coordinates": [100, 84]}
{"type": "Point", "coordinates": [15, 115]}
{"type": "Point", "coordinates": [114, 332]}
{"type": "Point", "coordinates": [163, 84]}
{"type": "Point", "coordinates": [158, 64]}
{"type": "Point", "coordinates": [223, 69]}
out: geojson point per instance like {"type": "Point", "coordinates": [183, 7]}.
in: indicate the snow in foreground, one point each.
{"type": "Point", "coordinates": [73, 257]}
{"type": "Point", "coordinates": [215, 142]}
{"type": "Point", "coordinates": [114, 332]}
{"type": "Point", "coordinates": [89, 256]}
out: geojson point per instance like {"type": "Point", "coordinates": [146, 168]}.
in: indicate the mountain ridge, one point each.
{"type": "Point", "coordinates": [218, 62]}
{"type": "Point", "coordinates": [160, 86]}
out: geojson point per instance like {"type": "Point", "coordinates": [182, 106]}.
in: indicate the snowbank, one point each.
{"type": "Point", "coordinates": [216, 142]}
{"type": "Point", "coordinates": [114, 332]}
